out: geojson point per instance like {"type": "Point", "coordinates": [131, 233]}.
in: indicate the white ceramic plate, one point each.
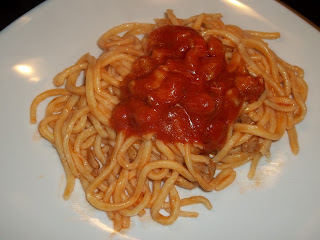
{"type": "Point", "coordinates": [282, 202]}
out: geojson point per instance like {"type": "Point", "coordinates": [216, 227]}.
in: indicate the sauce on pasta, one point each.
{"type": "Point", "coordinates": [182, 90]}
{"type": "Point", "coordinates": [175, 103]}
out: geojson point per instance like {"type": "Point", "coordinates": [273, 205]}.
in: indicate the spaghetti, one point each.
{"type": "Point", "coordinates": [126, 174]}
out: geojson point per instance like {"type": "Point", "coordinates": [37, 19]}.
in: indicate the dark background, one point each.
{"type": "Point", "coordinates": [12, 9]}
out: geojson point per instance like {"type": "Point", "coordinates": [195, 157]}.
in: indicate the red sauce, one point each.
{"type": "Point", "coordinates": [181, 90]}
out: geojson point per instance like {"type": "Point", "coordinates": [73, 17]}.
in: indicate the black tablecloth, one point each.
{"type": "Point", "coordinates": [12, 9]}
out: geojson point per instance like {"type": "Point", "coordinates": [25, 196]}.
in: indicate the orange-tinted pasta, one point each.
{"type": "Point", "coordinates": [125, 175]}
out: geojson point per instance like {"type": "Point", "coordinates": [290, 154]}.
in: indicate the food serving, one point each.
{"type": "Point", "coordinates": [179, 103]}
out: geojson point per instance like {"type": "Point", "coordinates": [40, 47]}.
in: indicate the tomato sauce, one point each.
{"type": "Point", "coordinates": [182, 91]}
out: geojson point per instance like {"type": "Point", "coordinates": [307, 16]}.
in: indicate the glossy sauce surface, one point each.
{"type": "Point", "coordinates": [183, 91]}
